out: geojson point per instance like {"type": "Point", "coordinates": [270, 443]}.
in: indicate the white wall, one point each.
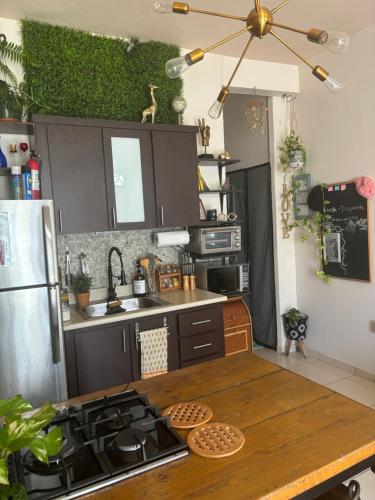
{"type": "Point", "coordinates": [339, 132]}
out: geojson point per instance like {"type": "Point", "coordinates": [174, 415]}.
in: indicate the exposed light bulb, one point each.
{"type": "Point", "coordinates": [216, 109]}
{"type": "Point", "coordinates": [175, 67]}
{"type": "Point", "coordinates": [334, 41]}
{"type": "Point", "coordinates": [333, 85]}
{"type": "Point", "coordinates": [163, 7]}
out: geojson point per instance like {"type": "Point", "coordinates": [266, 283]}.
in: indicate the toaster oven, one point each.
{"type": "Point", "coordinates": [214, 240]}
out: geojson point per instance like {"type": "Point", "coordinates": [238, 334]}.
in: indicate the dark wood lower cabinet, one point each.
{"type": "Point", "coordinates": [150, 324]}
{"type": "Point", "coordinates": [109, 355]}
{"type": "Point", "coordinates": [103, 357]}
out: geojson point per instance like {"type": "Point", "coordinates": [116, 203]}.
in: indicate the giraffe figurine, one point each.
{"type": "Point", "coordinates": [151, 111]}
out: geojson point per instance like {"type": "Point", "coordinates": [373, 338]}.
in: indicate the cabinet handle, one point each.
{"type": "Point", "coordinates": [114, 218]}
{"type": "Point", "coordinates": [201, 322]}
{"type": "Point", "coordinates": [201, 346]}
{"type": "Point", "coordinates": [60, 220]}
{"type": "Point", "coordinates": [162, 215]}
{"type": "Point", "coordinates": [124, 340]}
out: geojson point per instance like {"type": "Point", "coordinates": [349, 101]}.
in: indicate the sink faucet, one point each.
{"type": "Point", "coordinates": [112, 287]}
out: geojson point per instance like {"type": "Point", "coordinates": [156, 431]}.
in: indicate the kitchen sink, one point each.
{"type": "Point", "coordinates": [128, 304]}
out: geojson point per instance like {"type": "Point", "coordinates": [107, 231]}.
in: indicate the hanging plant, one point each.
{"type": "Point", "coordinates": [317, 228]}
{"type": "Point", "coordinates": [293, 153]}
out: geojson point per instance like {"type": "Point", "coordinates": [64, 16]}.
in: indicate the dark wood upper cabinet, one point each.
{"type": "Point", "coordinates": [130, 178]}
{"type": "Point", "coordinates": [78, 179]}
{"type": "Point", "coordinates": [103, 357]}
{"type": "Point", "coordinates": [112, 175]}
{"type": "Point", "coordinates": [176, 178]}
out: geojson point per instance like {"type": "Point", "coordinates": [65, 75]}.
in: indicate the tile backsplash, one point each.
{"type": "Point", "coordinates": [132, 244]}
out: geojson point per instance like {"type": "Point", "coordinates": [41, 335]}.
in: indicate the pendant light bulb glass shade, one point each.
{"type": "Point", "coordinates": [333, 85]}
{"type": "Point", "coordinates": [163, 6]}
{"type": "Point", "coordinates": [216, 109]}
{"type": "Point", "coordinates": [175, 67]}
{"type": "Point", "coordinates": [334, 41]}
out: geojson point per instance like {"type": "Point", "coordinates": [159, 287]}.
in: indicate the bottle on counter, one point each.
{"type": "Point", "coordinates": [139, 282]}
{"type": "Point", "coordinates": [34, 167]}
{"type": "Point", "coordinates": [16, 172]}
{"type": "Point", "coordinates": [65, 305]}
{"type": "Point", "coordinates": [3, 160]}
{"type": "Point", "coordinates": [26, 183]}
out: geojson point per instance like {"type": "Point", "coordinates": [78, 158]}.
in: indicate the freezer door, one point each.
{"type": "Point", "coordinates": [32, 359]}
{"type": "Point", "coordinates": [28, 254]}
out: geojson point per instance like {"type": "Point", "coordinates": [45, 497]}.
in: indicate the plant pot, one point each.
{"type": "Point", "coordinates": [296, 160]}
{"type": "Point", "coordinates": [295, 329]}
{"type": "Point", "coordinates": [82, 299]}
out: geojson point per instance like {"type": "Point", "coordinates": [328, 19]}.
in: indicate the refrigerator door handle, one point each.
{"type": "Point", "coordinates": [50, 245]}
{"type": "Point", "coordinates": [55, 322]}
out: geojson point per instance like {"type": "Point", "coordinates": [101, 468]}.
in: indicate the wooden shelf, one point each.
{"type": "Point", "coordinates": [16, 127]}
{"type": "Point", "coordinates": [216, 162]}
{"type": "Point", "coordinates": [220, 191]}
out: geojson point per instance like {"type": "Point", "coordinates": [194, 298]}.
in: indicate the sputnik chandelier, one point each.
{"type": "Point", "coordinates": [259, 22]}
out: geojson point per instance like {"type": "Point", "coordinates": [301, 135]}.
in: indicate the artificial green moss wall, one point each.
{"type": "Point", "coordinates": [77, 74]}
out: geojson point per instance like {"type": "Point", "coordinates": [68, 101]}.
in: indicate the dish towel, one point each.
{"type": "Point", "coordinates": [154, 352]}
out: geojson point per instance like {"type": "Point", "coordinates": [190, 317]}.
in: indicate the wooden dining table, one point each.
{"type": "Point", "coordinates": [302, 439]}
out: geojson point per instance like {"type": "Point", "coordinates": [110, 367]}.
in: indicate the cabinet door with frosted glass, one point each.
{"type": "Point", "coordinates": [130, 179]}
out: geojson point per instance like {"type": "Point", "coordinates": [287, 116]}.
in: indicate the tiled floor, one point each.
{"type": "Point", "coordinates": [338, 380]}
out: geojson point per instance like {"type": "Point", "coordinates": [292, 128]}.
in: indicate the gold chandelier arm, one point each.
{"type": "Point", "coordinates": [285, 27]}
{"type": "Point", "coordinates": [276, 9]}
{"type": "Point", "coordinates": [292, 49]}
{"type": "Point", "coordinates": [217, 14]}
{"type": "Point", "coordinates": [227, 39]}
{"type": "Point", "coordinates": [257, 5]}
{"type": "Point", "coordinates": [239, 62]}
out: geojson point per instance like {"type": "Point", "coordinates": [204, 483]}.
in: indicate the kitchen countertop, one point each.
{"type": "Point", "coordinates": [175, 301]}
{"type": "Point", "coordinates": [298, 433]}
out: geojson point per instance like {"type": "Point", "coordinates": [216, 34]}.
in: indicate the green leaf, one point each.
{"type": "Point", "coordinates": [15, 491]}
{"type": "Point", "coordinates": [3, 471]}
{"type": "Point", "coordinates": [53, 441]}
{"type": "Point", "coordinates": [46, 446]}
{"type": "Point", "coordinates": [15, 406]}
{"type": "Point", "coordinates": [39, 449]}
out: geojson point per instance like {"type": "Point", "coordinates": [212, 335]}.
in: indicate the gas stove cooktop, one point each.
{"type": "Point", "coordinates": [104, 441]}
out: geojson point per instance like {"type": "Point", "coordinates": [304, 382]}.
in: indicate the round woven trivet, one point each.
{"type": "Point", "coordinates": [215, 440]}
{"type": "Point", "coordinates": [188, 415]}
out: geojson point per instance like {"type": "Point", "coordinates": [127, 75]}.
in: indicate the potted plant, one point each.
{"type": "Point", "coordinates": [17, 432]}
{"type": "Point", "coordinates": [10, 105]}
{"type": "Point", "coordinates": [295, 324]}
{"type": "Point", "coordinates": [81, 284]}
{"type": "Point", "coordinates": [293, 153]}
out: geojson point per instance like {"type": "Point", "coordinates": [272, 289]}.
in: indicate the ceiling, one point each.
{"type": "Point", "coordinates": [136, 17]}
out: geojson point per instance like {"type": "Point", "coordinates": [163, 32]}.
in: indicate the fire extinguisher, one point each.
{"type": "Point", "coordinates": [34, 166]}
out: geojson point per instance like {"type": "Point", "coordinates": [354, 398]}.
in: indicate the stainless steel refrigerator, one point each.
{"type": "Point", "coordinates": [32, 361]}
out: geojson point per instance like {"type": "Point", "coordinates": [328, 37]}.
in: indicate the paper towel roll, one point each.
{"type": "Point", "coordinates": [172, 238]}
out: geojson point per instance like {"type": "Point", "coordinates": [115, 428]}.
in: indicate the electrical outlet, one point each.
{"type": "Point", "coordinates": [372, 326]}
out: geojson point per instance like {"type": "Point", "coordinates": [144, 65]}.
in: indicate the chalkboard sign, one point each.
{"type": "Point", "coordinates": [346, 248]}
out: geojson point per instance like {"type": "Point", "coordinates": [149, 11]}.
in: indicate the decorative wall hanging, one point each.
{"type": "Point", "coordinates": [76, 73]}
{"type": "Point", "coordinates": [259, 22]}
{"type": "Point", "coordinates": [256, 115]}
{"type": "Point", "coordinates": [151, 110]}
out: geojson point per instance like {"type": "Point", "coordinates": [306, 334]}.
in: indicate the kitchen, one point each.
{"type": "Point", "coordinates": [103, 227]}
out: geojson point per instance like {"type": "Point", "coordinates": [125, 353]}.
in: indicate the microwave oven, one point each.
{"type": "Point", "coordinates": [214, 240]}
{"type": "Point", "coordinates": [228, 279]}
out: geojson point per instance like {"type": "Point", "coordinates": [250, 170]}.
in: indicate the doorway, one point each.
{"type": "Point", "coordinates": [246, 137]}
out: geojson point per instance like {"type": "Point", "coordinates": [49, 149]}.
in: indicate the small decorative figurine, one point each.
{"type": "Point", "coordinates": [205, 136]}
{"type": "Point", "coordinates": [179, 105]}
{"type": "Point", "coordinates": [151, 111]}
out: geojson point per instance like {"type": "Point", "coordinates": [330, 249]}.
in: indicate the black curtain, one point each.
{"type": "Point", "coordinates": [253, 204]}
